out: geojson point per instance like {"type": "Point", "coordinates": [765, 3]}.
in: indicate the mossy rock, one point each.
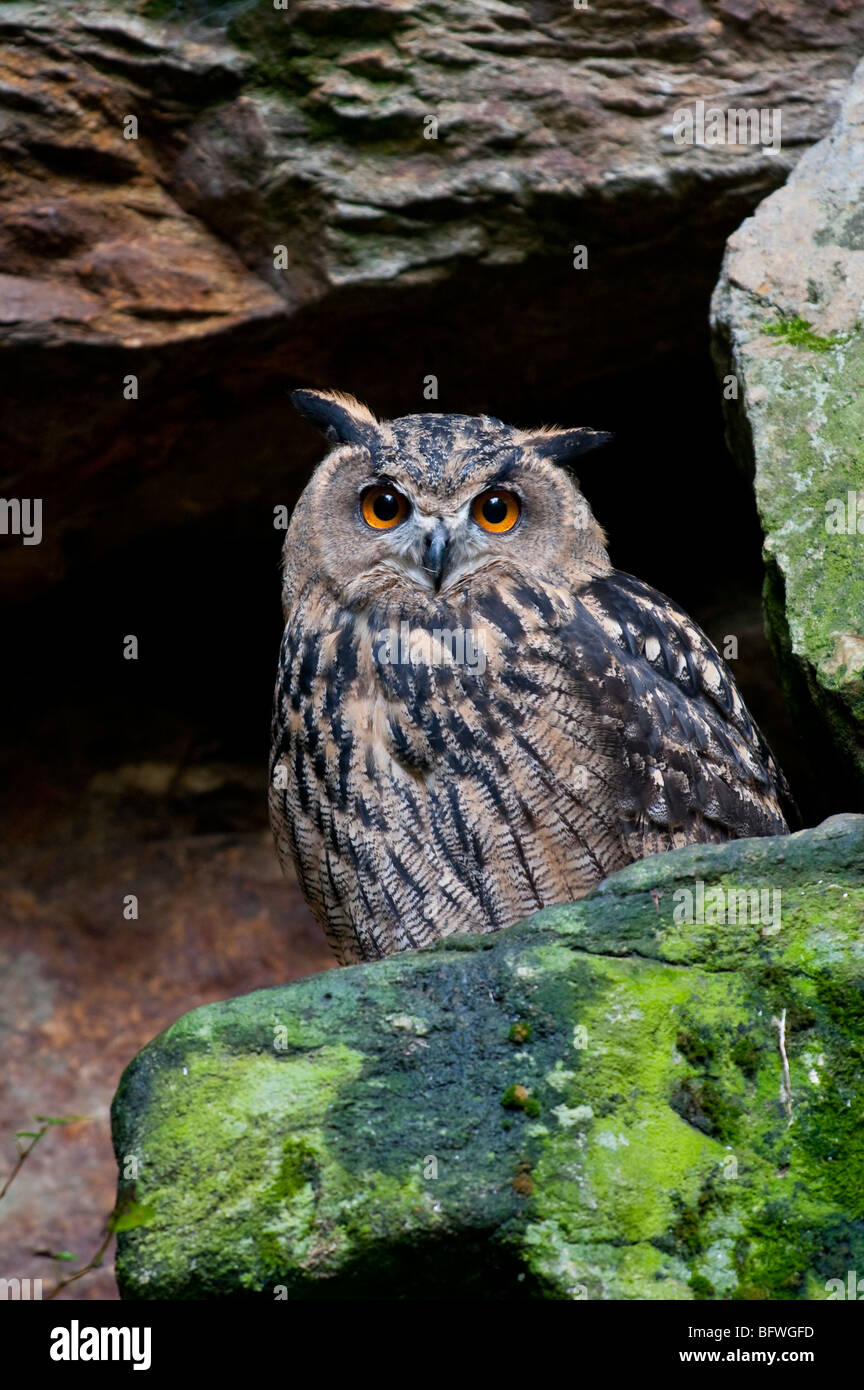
{"type": "Point", "coordinates": [383, 1131]}
{"type": "Point", "coordinates": [789, 345]}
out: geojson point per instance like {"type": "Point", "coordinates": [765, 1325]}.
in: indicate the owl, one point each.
{"type": "Point", "coordinates": [475, 715]}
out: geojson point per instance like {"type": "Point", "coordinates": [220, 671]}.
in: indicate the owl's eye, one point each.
{"type": "Point", "coordinates": [496, 509]}
{"type": "Point", "coordinates": [383, 508]}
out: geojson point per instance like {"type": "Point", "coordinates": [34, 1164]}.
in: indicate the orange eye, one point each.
{"type": "Point", "coordinates": [496, 510]}
{"type": "Point", "coordinates": [383, 508]}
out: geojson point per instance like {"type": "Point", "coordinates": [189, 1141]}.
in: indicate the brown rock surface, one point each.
{"type": "Point", "coordinates": [304, 128]}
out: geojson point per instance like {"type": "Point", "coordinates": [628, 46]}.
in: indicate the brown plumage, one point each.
{"type": "Point", "coordinates": [477, 716]}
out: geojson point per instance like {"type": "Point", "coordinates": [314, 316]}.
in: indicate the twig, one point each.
{"type": "Point", "coordinates": [786, 1083]}
{"type": "Point", "coordinates": [79, 1273]}
{"type": "Point", "coordinates": [46, 1121]}
{"type": "Point", "coordinates": [23, 1155]}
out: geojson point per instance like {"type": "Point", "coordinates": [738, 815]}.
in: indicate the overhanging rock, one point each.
{"type": "Point", "coordinates": [277, 216]}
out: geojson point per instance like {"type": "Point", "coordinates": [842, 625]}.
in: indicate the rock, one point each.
{"type": "Point", "coordinates": [787, 318]}
{"type": "Point", "coordinates": [304, 128]}
{"type": "Point", "coordinates": [594, 1103]}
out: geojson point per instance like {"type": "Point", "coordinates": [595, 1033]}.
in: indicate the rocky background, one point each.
{"type": "Point", "coordinates": [283, 219]}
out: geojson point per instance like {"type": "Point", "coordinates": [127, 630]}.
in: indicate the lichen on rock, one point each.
{"type": "Point", "coordinates": [787, 316]}
{"type": "Point", "coordinates": [366, 1132]}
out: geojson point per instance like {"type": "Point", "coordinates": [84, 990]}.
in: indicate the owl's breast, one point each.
{"type": "Point", "coordinates": [433, 778]}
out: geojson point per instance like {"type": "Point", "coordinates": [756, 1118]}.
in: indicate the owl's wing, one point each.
{"type": "Point", "coordinates": [688, 763]}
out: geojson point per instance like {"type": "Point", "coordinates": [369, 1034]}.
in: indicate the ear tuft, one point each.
{"type": "Point", "coordinates": [341, 418]}
{"type": "Point", "coordinates": [560, 446]}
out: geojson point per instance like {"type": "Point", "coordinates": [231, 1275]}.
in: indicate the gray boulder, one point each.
{"type": "Point", "coordinates": [635, 1097]}
{"type": "Point", "coordinates": [789, 343]}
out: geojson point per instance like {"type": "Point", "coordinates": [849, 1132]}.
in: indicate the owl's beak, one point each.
{"type": "Point", "coordinates": [436, 552]}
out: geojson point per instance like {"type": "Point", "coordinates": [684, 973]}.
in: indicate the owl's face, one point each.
{"type": "Point", "coordinates": [429, 502]}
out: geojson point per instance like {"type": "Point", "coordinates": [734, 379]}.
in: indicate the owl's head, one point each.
{"type": "Point", "coordinates": [432, 501]}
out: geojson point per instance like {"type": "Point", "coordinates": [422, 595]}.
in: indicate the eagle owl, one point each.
{"type": "Point", "coordinates": [475, 715]}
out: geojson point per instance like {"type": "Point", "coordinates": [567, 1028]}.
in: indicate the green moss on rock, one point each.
{"type": "Point", "coordinates": [343, 1136]}
{"type": "Point", "coordinates": [799, 332]}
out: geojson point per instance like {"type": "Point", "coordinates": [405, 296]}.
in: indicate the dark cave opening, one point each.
{"type": "Point", "coordinates": [203, 599]}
